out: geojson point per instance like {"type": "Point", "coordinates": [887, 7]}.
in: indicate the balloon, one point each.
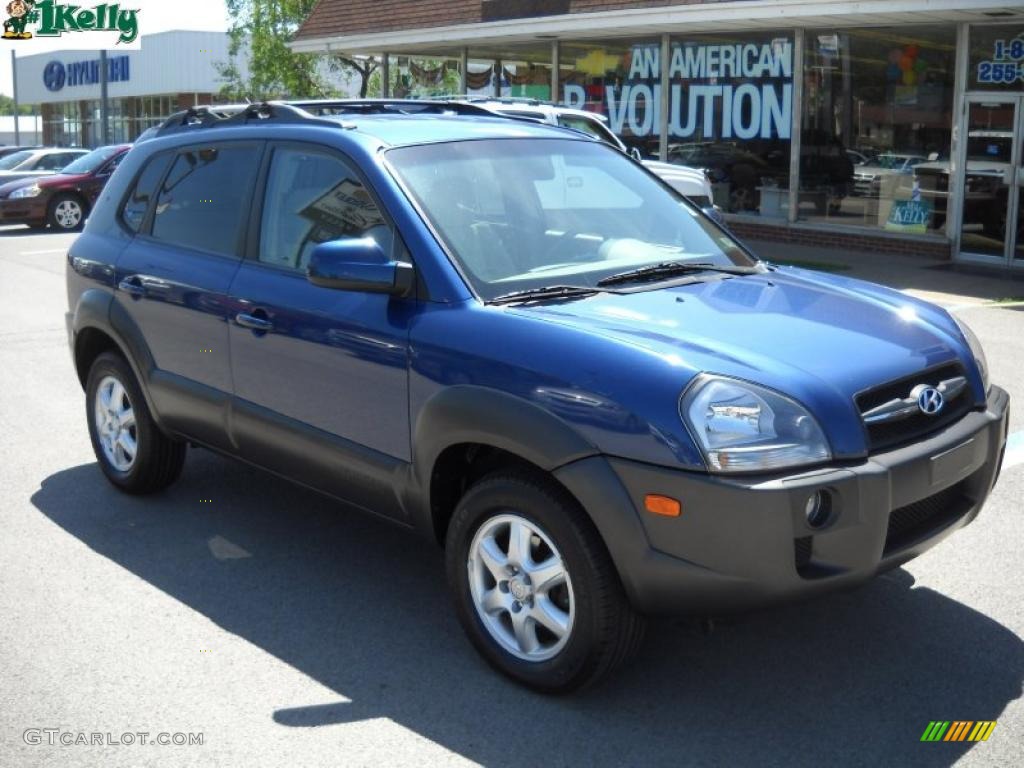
{"type": "Point", "coordinates": [893, 73]}
{"type": "Point", "coordinates": [895, 55]}
{"type": "Point", "coordinates": [909, 78]}
{"type": "Point", "coordinates": [906, 64]}
{"type": "Point", "coordinates": [920, 66]}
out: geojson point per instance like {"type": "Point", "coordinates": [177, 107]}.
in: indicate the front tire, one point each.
{"type": "Point", "coordinates": [131, 450]}
{"type": "Point", "coordinates": [535, 588]}
{"type": "Point", "coordinates": [67, 213]}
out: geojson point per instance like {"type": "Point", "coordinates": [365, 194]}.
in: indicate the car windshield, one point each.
{"type": "Point", "coordinates": [521, 214]}
{"type": "Point", "coordinates": [15, 159]}
{"type": "Point", "coordinates": [90, 162]}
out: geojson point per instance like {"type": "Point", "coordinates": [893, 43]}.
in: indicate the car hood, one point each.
{"type": "Point", "coordinates": [53, 180]}
{"type": "Point", "coordinates": [819, 338]}
{"type": "Point", "coordinates": [682, 178]}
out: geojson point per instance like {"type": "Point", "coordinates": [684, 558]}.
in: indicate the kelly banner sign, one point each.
{"type": "Point", "coordinates": [717, 91]}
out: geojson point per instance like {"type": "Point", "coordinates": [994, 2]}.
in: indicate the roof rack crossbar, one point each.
{"type": "Point", "coordinates": [314, 112]}
{"type": "Point", "coordinates": [239, 114]}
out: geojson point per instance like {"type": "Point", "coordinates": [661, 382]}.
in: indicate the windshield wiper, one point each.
{"type": "Point", "coordinates": [547, 292]}
{"type": "Point", "coordinates": [673, 268]}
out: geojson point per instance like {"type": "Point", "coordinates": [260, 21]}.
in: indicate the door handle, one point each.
{"type": "Point", "coordinates": [258, 322]}
{"type": "Point", "coordinates": [133, 287]}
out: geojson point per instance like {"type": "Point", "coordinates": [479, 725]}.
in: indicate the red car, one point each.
{"type": "Point", "coordinates": [64, 199]}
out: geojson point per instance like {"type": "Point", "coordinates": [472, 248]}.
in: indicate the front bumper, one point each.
{"type": "Point", "coordinates": [23, 210]}
{"type": "Point", "coordinates": [743, 542]}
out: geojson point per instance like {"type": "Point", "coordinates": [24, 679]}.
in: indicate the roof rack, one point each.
{"type": "Point", "coordinates": [313, 112]}
{"type": "Point", "coordinates": [324, 107]}
{"type": "Point", "coordinates": [227, 115]}
{"type": "Point", "coordinates": [526, 101]}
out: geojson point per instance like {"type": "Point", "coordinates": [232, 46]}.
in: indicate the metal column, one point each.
{"type": "Point", "coordinates": [796, 123]}
{"type": "Point", "coordinates": [464, 79]}
{"type": "Point", "coordinates": [104, 101]}
{"type": "Point", "coordinates": [556, 67]}
{"type": "Point", "coordinates": [664, 64]}
{"type": "Point", "coordinates": [14, 77]}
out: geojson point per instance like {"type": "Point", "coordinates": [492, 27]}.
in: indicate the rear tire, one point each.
{"type": "Point", "coordinates": [131, 450]}
{"type": "Point", "coordinates": [498, 591]}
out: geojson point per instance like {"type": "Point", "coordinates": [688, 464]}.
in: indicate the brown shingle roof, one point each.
{"type": "Point", "coordinates": [360, 17]}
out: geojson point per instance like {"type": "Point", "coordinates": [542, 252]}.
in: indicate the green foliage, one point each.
{"type": "Point", "coordinates": [259, 35]}
{"type": "Point", "coordinates": [7, 106]}
{"type": "Point", "coordinates": [260, 31]}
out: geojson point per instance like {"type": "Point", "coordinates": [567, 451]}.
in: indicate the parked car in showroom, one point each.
{"type": "Point", "coordinates": [867, 179]}
{"type": "Point", "coordinates": [30, 163]}
{"type": "Point", "coordinates": [61, 201]}
{"type": "Point", "coordinates": [522, 345]}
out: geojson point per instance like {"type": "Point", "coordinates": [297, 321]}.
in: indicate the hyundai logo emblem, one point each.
{"type": "Point", "coordinates": [54, 76]}
{"type": "Point", "coordinates": [929, 399]}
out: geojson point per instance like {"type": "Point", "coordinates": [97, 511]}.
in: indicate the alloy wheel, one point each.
{"type": "Point", "coordinates": [521, 587]}
{"type": "Point", "coordinates": [114, 419]}
{"type": "Point", "coordinates": [68, 214]}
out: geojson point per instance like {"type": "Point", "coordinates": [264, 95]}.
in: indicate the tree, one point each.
{"type": "Point", "coordinates": [7, 106]}
{"type": "Point", "coordinates": [259, 35]}
{"type": "Point", "coordinates": [363, 66]}
{"type": "Point", "coordinates": [260, 31]}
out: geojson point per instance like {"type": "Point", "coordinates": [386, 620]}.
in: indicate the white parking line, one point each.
{"type": "Point", "coordinates": [40, 253]}
{"type": "Point", "coordinates": [1014, 450]}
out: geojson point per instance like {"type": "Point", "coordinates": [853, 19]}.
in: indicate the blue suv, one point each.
{"type": "Point", "coordinates": [521, 344]}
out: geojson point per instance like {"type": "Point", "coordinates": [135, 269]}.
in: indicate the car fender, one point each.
{"type": "Point", "coordinates": [472, 414]}
{"type": "Point", "coordinates": [96, 308]}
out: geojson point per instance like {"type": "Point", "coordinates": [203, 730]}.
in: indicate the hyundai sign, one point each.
{"type": "Point", "coordinates": [57, 75]}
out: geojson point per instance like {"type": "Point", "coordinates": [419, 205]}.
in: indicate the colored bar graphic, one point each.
{"type": "Point", "coordinates": [958, 730]}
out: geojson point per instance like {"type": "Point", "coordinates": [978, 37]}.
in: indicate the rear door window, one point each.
{"type": "Point", "coordinates": [204, 199]}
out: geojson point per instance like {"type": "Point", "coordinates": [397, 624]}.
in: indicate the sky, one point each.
{"type": "Point", "coordinates": [154, 16]}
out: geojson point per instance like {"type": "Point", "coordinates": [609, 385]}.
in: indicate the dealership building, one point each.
{"type": "Point", "coordinates": [170, 71]}
{"type": "Point", "coordinates": [890, 125]}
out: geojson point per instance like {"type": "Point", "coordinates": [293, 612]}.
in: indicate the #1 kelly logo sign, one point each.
{"type": "Point", "coordinates": [52, 19]}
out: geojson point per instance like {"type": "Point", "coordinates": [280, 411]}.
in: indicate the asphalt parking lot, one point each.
{"type": "Point", "coordinates": [289, 631]}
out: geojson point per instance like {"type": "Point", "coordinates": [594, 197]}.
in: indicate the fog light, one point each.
{"type": "Point", "coordinates": [818, 509]}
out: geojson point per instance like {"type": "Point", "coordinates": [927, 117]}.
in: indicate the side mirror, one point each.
{"type": "Point", "coordinates": [358, 264]}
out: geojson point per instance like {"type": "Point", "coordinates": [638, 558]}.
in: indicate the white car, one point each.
{"type": "Point", "coordinates": [29, 163]}
{"type": "Point", "coordinates": [867, 179]}
{"type": "Point", "coordinates": [691, 182]}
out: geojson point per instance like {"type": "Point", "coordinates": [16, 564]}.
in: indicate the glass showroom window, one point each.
{"type": "Point", "coordinates": [876, 127]}
{"type": "Point", "coordinates": [730, 107]}
{"type": "Point", "coordinates": [997, 58]}
{"type": "Point", "coordinates": [731, 113]}
{"type": "Point", "coordinates": [524, 71]}
{"type": "Point", "coordinates": [620, 81]}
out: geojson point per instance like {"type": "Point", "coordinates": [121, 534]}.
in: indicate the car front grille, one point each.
{"type": "Point", "coordinates": [892, 434]}
{"type": "Point", "coordinates": [926, 517]}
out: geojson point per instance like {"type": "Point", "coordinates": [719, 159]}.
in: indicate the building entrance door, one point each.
{"type": "Point", "coordinates": [991, 222]}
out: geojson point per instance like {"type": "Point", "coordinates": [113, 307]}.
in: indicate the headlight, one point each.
{"type": "Point", "coordinates": [742, 427]}
{"type": "Point", "coordinates": [32, 191]}
{"type": "Point", "coordinates": [976, 350]}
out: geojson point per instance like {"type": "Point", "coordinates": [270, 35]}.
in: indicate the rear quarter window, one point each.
{"type": "Point", "coordinates": [135, 206]}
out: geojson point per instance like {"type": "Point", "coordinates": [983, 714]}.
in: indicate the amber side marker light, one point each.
{"type": "Point", "coordinates": [662, 505]}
